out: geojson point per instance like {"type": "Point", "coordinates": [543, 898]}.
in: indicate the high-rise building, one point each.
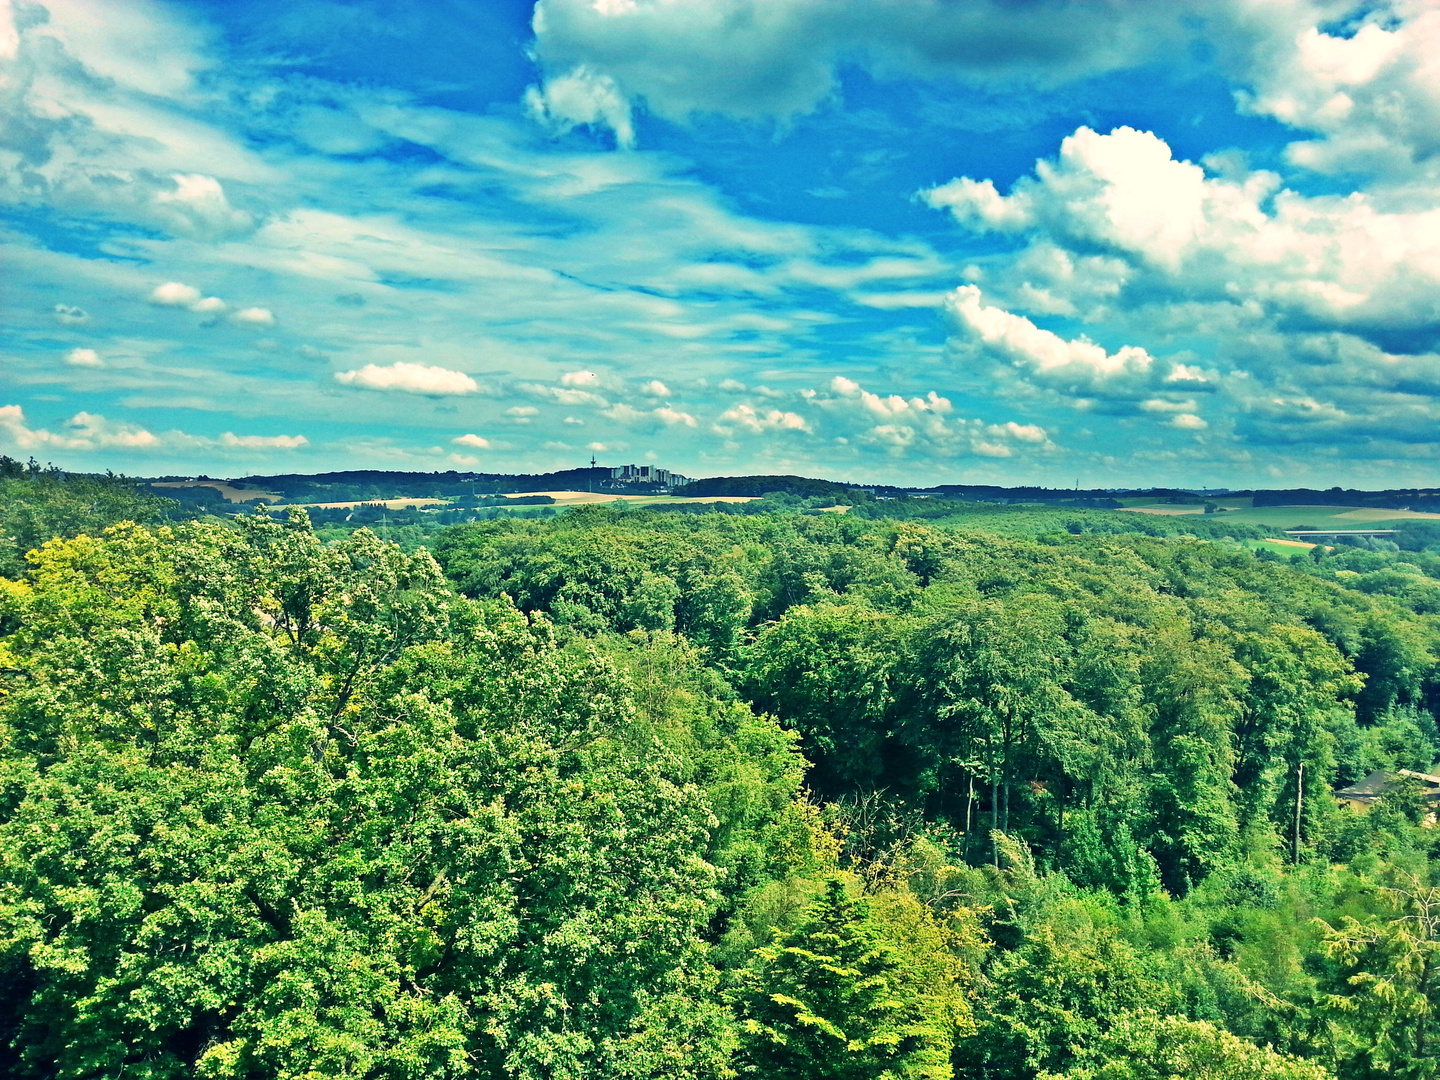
{"type": "Point", "coordinates": [646, 474]}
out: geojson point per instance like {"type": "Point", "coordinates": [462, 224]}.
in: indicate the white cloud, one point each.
{"type": "Point", "coordinates": [1020, 342]}
{"type": "Point", "coordinates": [409, 378]}
{"type": "Point", "coordinates": [1122, 189]}
{"type": "Point", "coordinates": [90, 431]}
{"type": "Point", "coordinates": [253, 316]}
{"type": "Point", "coordinates": [1371, 94]}
{"type": "Point", "coordinates": [177, 294]}
{"type": "Point", "coordinates": [757, 59]}
{"type": "Point", "coordinates": [196, 206]}
{"type": "Point", "coordinates": [1189, 422]}
{"type": "Point", "coordinates": [580, 378]}
{"type": "Point", "coordinates": [84, 358]}
{"type": "Point", "coordinates": [1030, 433]}
{"type": "Point", "coordinates": [174, 294]}
{"type": "Point", "coordinates": [83, 431]}
{"type": "Point", "coordinates": [630, 416]}
{"type": "Point", "coordinates": [522, 414]}
{"type": "Point", "coordinates": [477, 441]}
{"type": "Point", "coordinates": [748, 417]}
{"type": "Point", "coordinates": [655, 388]}
{"type": "Point", "coordinates": [69, 315]}
{"type": "Point", "coordinates": [9, 36]}
{"type": "Point", "coordinates": [263, 442]}
{"type": "Point", "coordinates": [1163, 405]}
{"type": "Point", "coordinates": [899, 424]}
{"type": "Point", "coordinates": [565, 395]}
{"type": "Point", "coordinates": [582, 97]}
{"type": "Point", "coordinates": [1188, 373]}
{"type": "Point", "coordinates": [1344, 260]}
{"type": "Point", "coordinates": [671, 417]}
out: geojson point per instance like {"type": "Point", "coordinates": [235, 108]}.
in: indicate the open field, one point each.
{"type": "Point", "coordinates": [1283, 548]}
{"type": "Point", "coordinates": [1162, 510]}
{"type": "Point", "coordinates": [1325, 517]}
{"type": "Point", "coordinates": [582, 498]}
{"type": "Point", "coordinates": [389, 504]}
{"type": "Point", "coordinates": [227, 492]}
{"type": "Point", "coordinates": [1290, 517]}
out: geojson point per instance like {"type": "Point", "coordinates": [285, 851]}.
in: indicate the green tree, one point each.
{"type": "Point", "coordinates": [1144, 1046]}
{"type": "Point", "coordinates": [1382, 1015]}
{"type": "Point", "coordinates": [276, 809]}
{"type": "Point", "coordinates": [830, 1000]}
{"type": "Point", "coordinates": [828, 672]}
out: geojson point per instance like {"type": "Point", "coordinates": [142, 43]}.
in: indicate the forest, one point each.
{"type": "Point", "coordinates": [1012, 793]}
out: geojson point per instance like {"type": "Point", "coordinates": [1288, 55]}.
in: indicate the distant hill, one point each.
{"type": "Point", "coordinates": [754, 486]}
{"type": "Point", "coordinates": [377, 484]}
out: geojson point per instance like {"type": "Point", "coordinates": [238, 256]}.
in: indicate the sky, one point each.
{"type": "Point", "coordinates": [1105, 242]}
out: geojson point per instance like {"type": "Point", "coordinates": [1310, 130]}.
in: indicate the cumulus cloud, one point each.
{"type": "Point", "coordinates": [565, 395]}
{"type": "Point", "coordinates": [1346, 261]}
{"type": "Point", "coordinates": [263, 442]}
{"type": "Point", "coordinates": [84, 358]}
{"type": "Point", "coordinates": [899, 425]}
{"type": "Point", "coordinates": [579, 97]}
{"type": "Point", "coordinates": [743, 58]}
{"type": "Point", "coordinates": [253, 316]}
{"type": "Point", "coordinates": [84, 431]}
{"type": "Point", "coordinates": [1369, 92]}
{"type": "Point", "coordinates": [193, 205]}
{"type": "Point", "coordinates": [477, 441]}
{"type": "Point", "coordinates": [70, 315]}
{"type": "Point", "coordinates": [655, 388]}
{"type": "Point", "coordinates": [409, 378]}
{"type": "Point", "coordinates": [178, 294]}
{"type": "Point", "coordinates": [9, 36]}
{"type": "Point", "coordinates": [631, 416]}
{"type": "Point", "coordinates": [671, 417]}
{"type": "Point", "coordinates": [91, 431]}
{"type": "Point", "coordinates": [757, 421]}
{"type": "Point", "coordinates": [580, 378]}
{"type": "Point", "coordinates": [1021, 343]}
{"type": "Point", "coordinates": [174, 294]}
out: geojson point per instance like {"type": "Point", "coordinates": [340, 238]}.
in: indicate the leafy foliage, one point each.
{"type": "Point", "coordinates": [621, 793]}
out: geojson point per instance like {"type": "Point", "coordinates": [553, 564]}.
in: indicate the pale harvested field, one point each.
{"type": "Point", "coordinates": [580, 498]}
{"type": "Point", "coordinates": [577, 498]}
{"type": "Point", "coordinates": [1369, 513]}
{"type": "Point", "coordinates": [389, 504]}
{"type": "Point", "coordinates": [229, 493]}
{"type": "Point", "coordinates": [1164, 511]}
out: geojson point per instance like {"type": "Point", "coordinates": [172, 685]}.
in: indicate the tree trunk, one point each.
{"type": "Point", "coordinates": [969, 802]}
{"type": "Point", "coordinates": [1060, 801]}
{"type": "Point", "coordinates": [995, 810]}
{"type": "Point", "coordinates": [1299, 795]}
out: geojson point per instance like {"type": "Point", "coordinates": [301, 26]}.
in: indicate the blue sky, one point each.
{"type": "Point", "coordinates": [1014, 241]}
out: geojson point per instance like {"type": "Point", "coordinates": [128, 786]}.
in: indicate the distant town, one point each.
{"type": "Point", "coordinates": [648, 475]}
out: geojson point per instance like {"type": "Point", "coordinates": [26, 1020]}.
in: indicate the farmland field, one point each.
{"type": "Point", "coordinates": [1292, 517]}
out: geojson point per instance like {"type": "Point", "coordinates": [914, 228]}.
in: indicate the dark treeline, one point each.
{"type": "Point", "coordinates": [615, 793]}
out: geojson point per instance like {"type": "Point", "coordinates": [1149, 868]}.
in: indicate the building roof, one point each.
{"type": "Point", "coordinates": [1378, 782]}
